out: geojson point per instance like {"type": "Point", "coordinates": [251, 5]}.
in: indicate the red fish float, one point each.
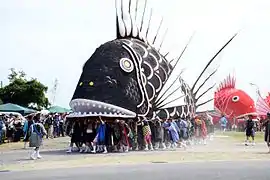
{"type": "Point", "coordinates": [263, 105]}
{"type": "Point", "coordinates": [232, 102]}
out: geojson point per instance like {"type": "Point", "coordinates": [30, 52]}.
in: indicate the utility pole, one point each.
{"type": "Point", "coordinates": [53, 91]}
{"type": "Point", "coordinates": [1, 84]}
{"type": "Point", "coordinates": [257, 88]}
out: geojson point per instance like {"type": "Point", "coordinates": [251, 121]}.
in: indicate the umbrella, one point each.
{"type": "Point", "coordinates": [58, 109]}
{"type": "Point", "coordinates": [9, 107]}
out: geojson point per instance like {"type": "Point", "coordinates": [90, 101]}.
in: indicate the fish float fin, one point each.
{"type": "Point", "coordinates": [127, 26]}
{"type": "Point", "coordinates": [262, 105]}
{"type": "Point", "coordinates": [195, 92]}
{"type": "Point", "coordinates": [220, 96]}
{"type": "Point", "coordinates": [227, 83]}
{"type": "Point", "coordinates": [179, 111]}
{"type": "Point", "coordinates": [159, 100]}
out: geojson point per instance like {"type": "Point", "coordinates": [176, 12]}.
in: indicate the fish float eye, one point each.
{"type": "Point", "coordinates": [81, 83]}
{"type": "Point", "coordinates": [91, 83]}
{"type": "Point", "coordinates": [235, 98]}
{"type": "Point", "coordinates": [126, 65]}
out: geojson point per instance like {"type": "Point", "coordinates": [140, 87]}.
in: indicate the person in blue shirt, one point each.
{"type": "Point", "coordinates": [223, 123]}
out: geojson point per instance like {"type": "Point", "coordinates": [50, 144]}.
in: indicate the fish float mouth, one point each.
{"type": "Point", "coordinates": [88, 108]}
{"type": "Point", "coordinates": [247, 114]}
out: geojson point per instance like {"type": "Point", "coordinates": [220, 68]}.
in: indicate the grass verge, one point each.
{"type": "Point", "coordinates": [241, 136]}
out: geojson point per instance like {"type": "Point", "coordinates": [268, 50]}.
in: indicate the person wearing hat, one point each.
{"type": "Point", "coordinates": [266, 124]}
{"type": "Point", "coordinates": [250, 130]}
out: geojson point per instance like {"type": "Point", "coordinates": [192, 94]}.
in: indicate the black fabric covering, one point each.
{"type": "Point", "coordinates": [110, 82]}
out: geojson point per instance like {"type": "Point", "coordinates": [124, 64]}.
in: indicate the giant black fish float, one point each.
{"type": "Point", "coordinates": [124, 77]}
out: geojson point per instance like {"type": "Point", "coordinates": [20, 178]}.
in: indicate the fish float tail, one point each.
{"type": "Point", "coordinates": [262, 105]}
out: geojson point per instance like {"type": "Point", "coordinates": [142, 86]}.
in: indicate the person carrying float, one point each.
{"type": "Point", "coordinates": [124, 133]}
{"type": "Point", "coordinates": [183, 126]}
{"type": "Point", "coordinates": [76, 136]}
{"type": "Point", "coordinates": [203, 131]}
{"type": "Point", "coordinates": [99, 141]}
{"type": "Point", "coordinates": [210, 126]}
{"type": "Point", "coordinates": [147, 135]}
{"type": "Point", "coordinates": [173, 132]}
{"type": "Point", "coordinates": [197, 128]}
{"type": "Point", "coordinates": [89, 134]}
{"type": "Point", "coordinates": [159, 133]}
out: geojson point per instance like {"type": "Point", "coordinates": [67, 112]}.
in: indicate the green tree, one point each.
{"type": "Point", "coordinates": [24, 92]}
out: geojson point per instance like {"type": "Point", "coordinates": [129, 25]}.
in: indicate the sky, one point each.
{"type": "Point", "coordinates": [52, 39]}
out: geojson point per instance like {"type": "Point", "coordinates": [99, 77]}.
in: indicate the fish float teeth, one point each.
{"type": "Point", "coordinates": [84, 113]}
{"type": "Point", "coordinates": [79, 113]}
{"type": "Point", "coordinates": [94, 113]}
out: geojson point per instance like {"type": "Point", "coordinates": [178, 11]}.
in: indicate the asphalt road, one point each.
{"type": "Point", "coordinates": [240, 170]}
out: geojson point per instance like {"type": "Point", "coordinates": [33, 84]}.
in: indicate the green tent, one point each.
{"type": "Point", "coordinates": [58, 109]}
{"type": "Point", "coordinates": [9, 107]}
